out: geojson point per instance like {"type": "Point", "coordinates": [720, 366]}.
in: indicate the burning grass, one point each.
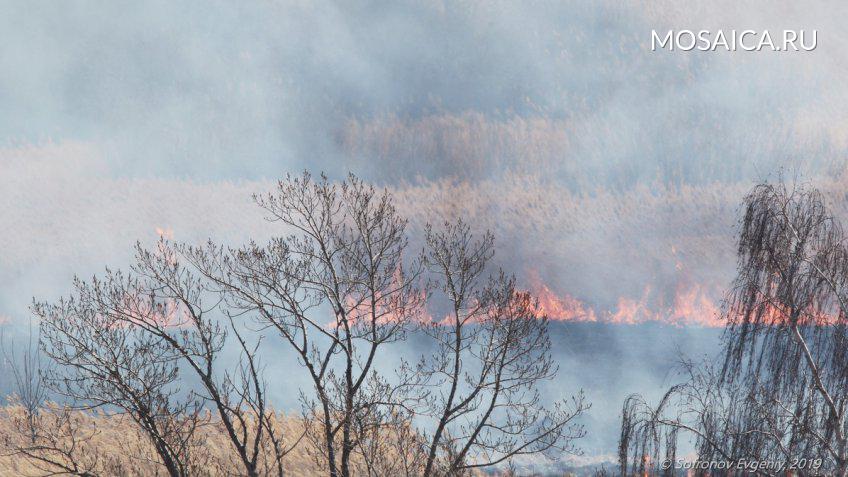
{"type": "Point", "coordinates": [651, 253]}
{"type": "Point", "coordinates": [604, 249]}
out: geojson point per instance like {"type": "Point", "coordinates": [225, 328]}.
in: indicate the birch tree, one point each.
{"type": "Point", "coordinates": [779, 389]}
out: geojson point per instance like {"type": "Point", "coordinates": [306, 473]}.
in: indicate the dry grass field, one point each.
{"type": "Point", "coordinates": [111, 445]}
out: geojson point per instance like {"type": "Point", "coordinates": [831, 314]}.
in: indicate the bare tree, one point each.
{"type": "Point", "coordinates": [46, 435]}
{"type": "Point", "coordinates": [102, 362]}
{"type": "Point", "coordinates": [55, 441]}
{"type": "Point", "coordinates": [28, 367]}
{"type": "Point", "coordinates": [492, 352]}
{"type": "Point", "coordinates": [121, 340]}
{"type": "Point", "coordinates": [388, 443]}
{"type": "Point", "coordinates": [193, 330]}
{"type": "Point", "coordinates": [336, 286]}
{"type": "Point", "coordinates": [336, 290]}
{"type": "Point", "coordinates": [780, 389]}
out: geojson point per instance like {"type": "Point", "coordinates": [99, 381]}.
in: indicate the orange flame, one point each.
{"type": "Point", "coordinates": [565, 308]}
{"type": "Point", "coordinates": [692, 305]}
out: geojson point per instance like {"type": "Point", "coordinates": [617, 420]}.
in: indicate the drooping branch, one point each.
{"type": "Point", "coordinates": [780, 388]}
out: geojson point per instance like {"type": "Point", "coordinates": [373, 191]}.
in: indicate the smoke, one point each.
{"type": "Point", "coordinates": [216, 90]}
{"type": "Point", "coordinates": [603, 168]}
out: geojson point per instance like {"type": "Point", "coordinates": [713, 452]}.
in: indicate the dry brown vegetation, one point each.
{"type": "Point", "coordinates": [578, 238]}
{"type": "Point", "coordinates": [658, 235]}
{"type": "Point", "coordinates": [578, 150]}
{"type": "Point", "coordinates": [671, 234]}
{"type": "Point", "coordinates": [98, 443]}
{"type": "Point", "coordinates": [465, 145]}
{"type": "Point", "coordinates": [110, 444]}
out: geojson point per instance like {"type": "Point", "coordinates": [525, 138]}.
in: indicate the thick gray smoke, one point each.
{"type": "Point", "coordinates": [217, 90]}
{"type": "Point", "coordinates": [603, 167]}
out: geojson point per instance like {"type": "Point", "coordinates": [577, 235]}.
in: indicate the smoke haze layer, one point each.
{"type": "Point", "coordinates": [394, 90]}
{"type": "Point", "coordinates": [611, 175]}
